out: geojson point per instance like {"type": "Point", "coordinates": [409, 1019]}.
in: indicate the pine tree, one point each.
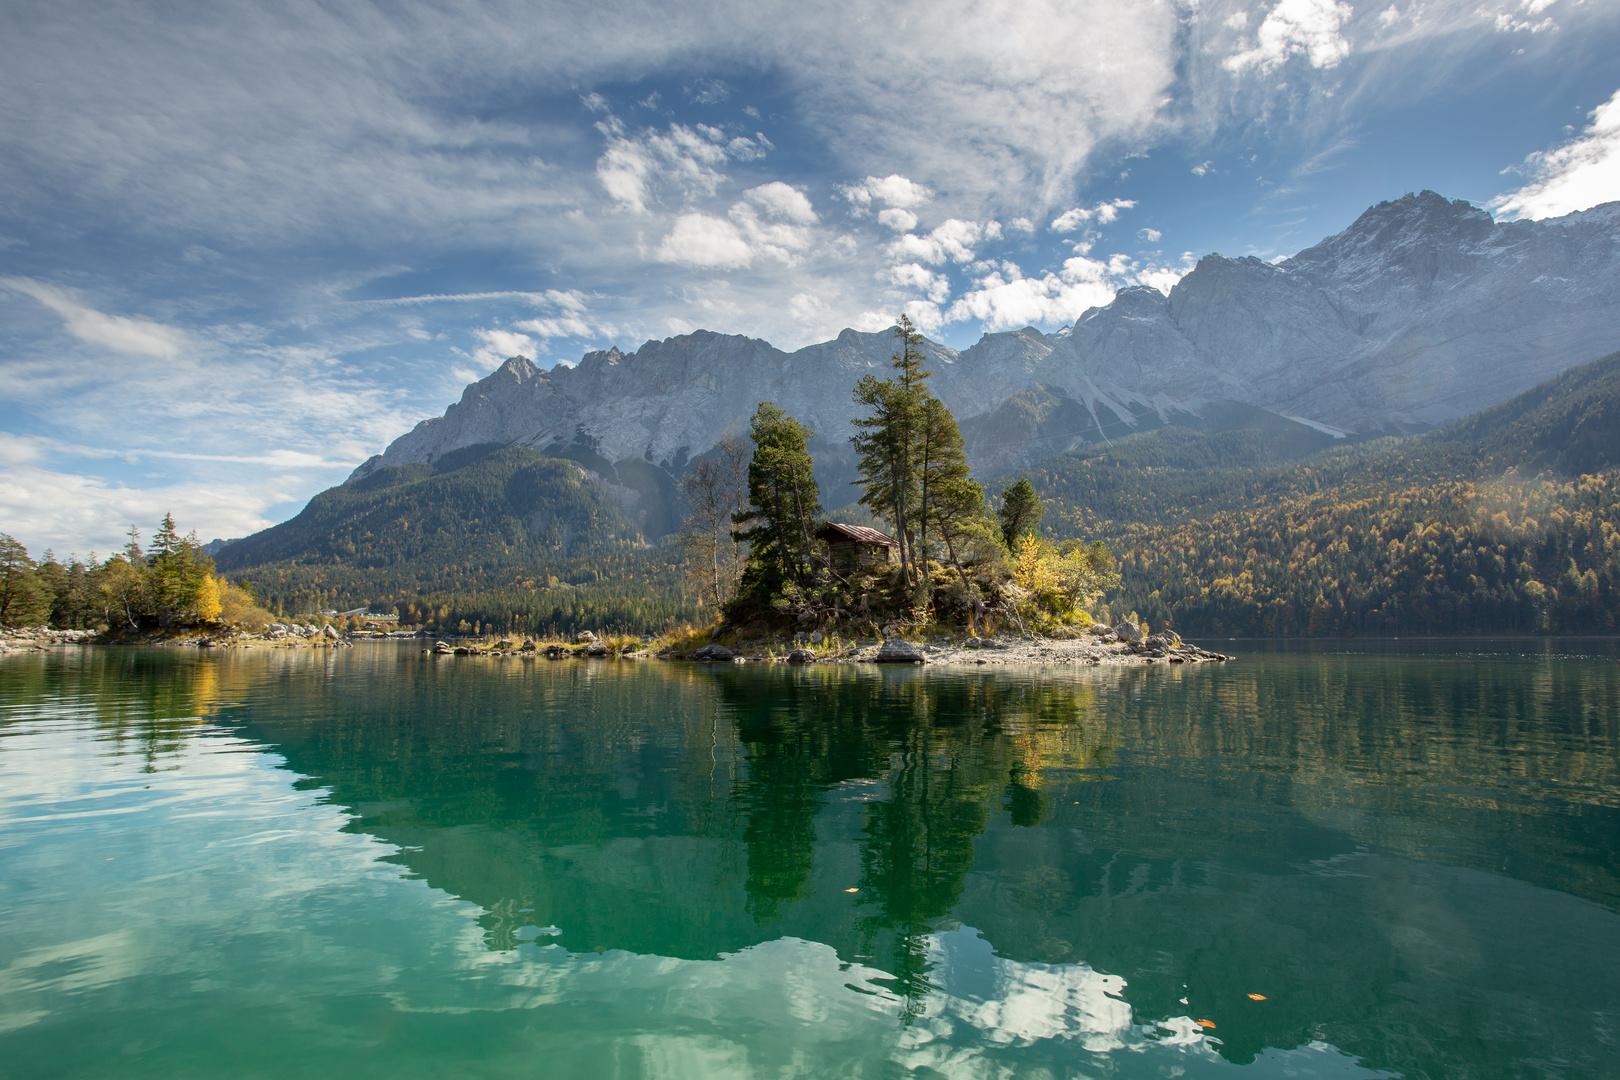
{"type": "Point", "coordinates": [783, 512]}
{"type": "Point", "coordinates": [888, 444]}
{"type": "Point", "coordinates": [1020, 513]}
{"type": "Point", "coordinates": [953, 501]}
{"type": "Point", "coordinates": [23, 600]}
{"type": "Point", "coordinates": [175, 571]}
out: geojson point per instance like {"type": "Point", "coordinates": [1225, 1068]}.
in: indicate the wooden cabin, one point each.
{"type": "Point", "coordinates": [855, 547]}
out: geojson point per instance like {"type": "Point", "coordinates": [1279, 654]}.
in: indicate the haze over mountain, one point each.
{"type": "Point", "coordinates": [1422, 311]}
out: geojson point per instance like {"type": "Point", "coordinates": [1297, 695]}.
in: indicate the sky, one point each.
{"type": "Point", "coordinates": [244, 246]}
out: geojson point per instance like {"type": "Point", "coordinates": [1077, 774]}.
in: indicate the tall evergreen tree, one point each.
{"type": "Point", "coordinates": [1020, 513]}
{"type": "Point", "coordinates": [888, 444]}
{"type": "Point", "coordinates": [23, 599]}
{"type": "Point", "coordinates": [954, 501]}
{"type": "Point", "coordinates": [784, 508]}
{"type": "Point", "coordinates": [176, 571]}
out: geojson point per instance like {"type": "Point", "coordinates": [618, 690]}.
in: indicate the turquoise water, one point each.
{"type": "Point", "coordinates": [366, 863]}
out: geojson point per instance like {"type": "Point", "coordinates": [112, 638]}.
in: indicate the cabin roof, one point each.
{"type": "Point", "coordinates": [834, 531]}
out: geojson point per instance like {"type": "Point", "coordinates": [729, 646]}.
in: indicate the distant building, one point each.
{"type": "Point", "coordinates": [855, 547]}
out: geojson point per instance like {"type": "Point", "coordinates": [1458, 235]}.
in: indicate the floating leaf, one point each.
{"type": "Point", "coordinates": [1206, 1023]}
{"type": "Point", "coordinates": [852, 890]}
{"type": "Point", "coordinates": [1257, 997]}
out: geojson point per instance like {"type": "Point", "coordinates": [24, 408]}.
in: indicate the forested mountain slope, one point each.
{"type": "Point", "coordinates": [486, 535]}
{"type": "Point", "coordinates": [1501, 522]}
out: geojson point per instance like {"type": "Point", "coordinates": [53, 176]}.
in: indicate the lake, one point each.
{"type": "Point", "coordinates": [1349, 861]}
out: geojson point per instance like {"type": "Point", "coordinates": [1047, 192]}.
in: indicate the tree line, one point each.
{"type": "Point", "coordinates": [171, 583]}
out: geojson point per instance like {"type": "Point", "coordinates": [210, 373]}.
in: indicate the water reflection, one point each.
{"type": "Point", "coordinates": [1410, 859]}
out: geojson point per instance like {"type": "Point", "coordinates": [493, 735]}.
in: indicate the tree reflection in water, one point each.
{"type": "Point", "coordinates": [1384, 846]}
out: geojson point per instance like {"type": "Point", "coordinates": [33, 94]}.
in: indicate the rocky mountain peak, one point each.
{"type": "Point", "coordinates": [1421, 311]}
{"type": "Point", "coordinates": [519, 369]}
{"type": "Point", "coordinates": [1427, 225]}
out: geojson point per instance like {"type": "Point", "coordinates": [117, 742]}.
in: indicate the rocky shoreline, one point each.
{"type": "Point", "coordinates": [1121, 644]}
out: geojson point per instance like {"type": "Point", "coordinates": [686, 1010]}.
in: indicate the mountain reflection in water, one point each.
{"type": "Point", "coordinates": [1412, 859]}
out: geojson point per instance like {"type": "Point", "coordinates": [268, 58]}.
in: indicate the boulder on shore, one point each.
{"type": "Point", "coordinates": [1126, 630]}
{"type": "Point", "coordinates": [714, 652]}
{"type": "Point", "coordinates": [801, 656]}
{"type": "Point", "coordinates": [899, 651]}
{"type": "Point", "coordinates": [584, 637]}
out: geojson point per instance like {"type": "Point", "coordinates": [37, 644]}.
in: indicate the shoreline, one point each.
{"type": "Point", "coordinates": [1030, 651]}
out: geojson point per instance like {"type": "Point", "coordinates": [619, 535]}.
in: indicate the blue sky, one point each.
{"type": "Point", "coordinates": [242, 248]}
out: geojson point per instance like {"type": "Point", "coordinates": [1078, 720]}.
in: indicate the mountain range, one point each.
{"type": "Point", "coordinates": [1423, 311]}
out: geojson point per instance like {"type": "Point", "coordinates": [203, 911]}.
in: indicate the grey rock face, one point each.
{"type": "Point", "coordinates": [1423, 310]}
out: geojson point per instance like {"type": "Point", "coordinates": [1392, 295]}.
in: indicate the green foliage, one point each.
{"type": "Point", "coordinates": [1059, 582]}
{"type": "Point", "coordinates": [1483, 526]}
{"type": "Point", "coordinates": [480, 506]}
{"type": "Point", "coordinates": [1020, 513]}
{"type": "Point", "coordinates": [783, 513]}
{"type": "Point", "coordinates": [24, 600]}
{"type": "Point", "coordinates": [891, 446]}
{"type": "Point", "coordinates": [177, 573]}
{"type": "Point", "coordinates": [173, 585]}
{"type": "Point", "coordinates": [502, 539]}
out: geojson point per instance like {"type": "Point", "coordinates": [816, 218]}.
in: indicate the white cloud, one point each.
{"type": "Point", "coordinates": [1309, 28]}
{"type": "Point", "coordinates": [897, 219]}
{"type": "Point", "coordinates": [771, 221]}
{"type": "Point", "coordinates": [572, 318]}
{"type": "Point", "coordinates": [893, 190]}
{"type": "Point", "coordinates": [1506, 22]}
{"type": "Point", "coordinates": [498, 345]}
{"type": "Point", "coordinates": [954, 239]}
{"type": "Point", "coordinates": [1104, 213]}
{"type": "Point", "coordinates": [924, 314]}
{"type": "Point", "coordinates": [132, 337]}
{"type": "Point", "coordinates": [699, 240]}
{"type": "Point", "coordinates": [686, 159]}
{"type": "Point", "coordinates": [1576, 176]}
{"type": "Point", "coordinates": [784, 202]}
{"type": "Point", "coordinates": [80, 512]}
{"type": "Point", "coordinates": [871, 322]}
{"type": "Point", "coordinates": [912, 276]}
{"type": "Point", "coordinates": [1203, 168]}
{"type": "Point", "coordinates": [806, 307]}
{"type": "Point", "coordinates": [1006, 300]}
{"type": "Point", "coordinates": [1164, 278]}
{"type": "Point", "coordinates": [1152, 236]}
